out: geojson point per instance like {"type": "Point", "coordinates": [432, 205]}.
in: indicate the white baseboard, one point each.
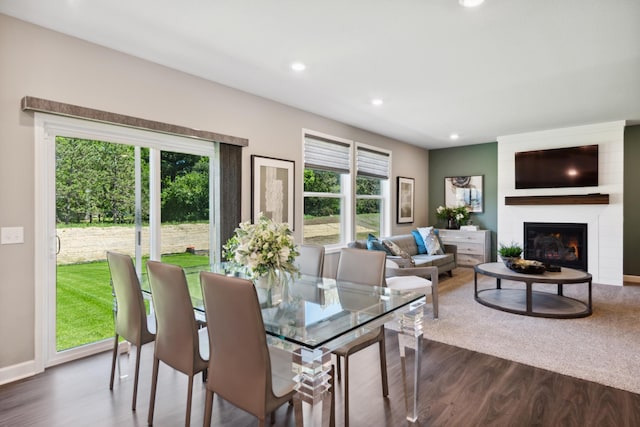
{"type": "Point", "coordinates": [27, 369]}
{"type": "Point", "coordinates": [631, 279]}
{"type": "Point", "coordinates": [17, 372]}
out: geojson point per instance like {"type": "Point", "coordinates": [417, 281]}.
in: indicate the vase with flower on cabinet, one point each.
{"type": "Point", "coordinates": [452, 224]}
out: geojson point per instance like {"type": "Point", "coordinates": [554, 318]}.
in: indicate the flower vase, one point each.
{"type": "Point", "coordinates": [452, 224]}
{"type": "Point", "coordinates": [274, 288]}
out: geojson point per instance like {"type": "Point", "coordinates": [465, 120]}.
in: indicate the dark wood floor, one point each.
{"type": "Point", "coordinates": [458, 388]}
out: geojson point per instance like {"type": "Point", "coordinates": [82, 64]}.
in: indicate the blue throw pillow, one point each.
{"type": "Point", "coordinates": [422, 249]}
{"type": "Point", "coordinates": [373, 244]}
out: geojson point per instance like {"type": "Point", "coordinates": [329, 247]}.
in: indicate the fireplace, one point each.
{"type": "Point", "coordinates": [556, 244]}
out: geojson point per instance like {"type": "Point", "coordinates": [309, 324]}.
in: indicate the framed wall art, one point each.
{"type": "Point", "coordinates": [464, 190]}
{"type": "Point", "coordinates": [405, 203]}
{"type": "Point", "coordinates": [272, 189]}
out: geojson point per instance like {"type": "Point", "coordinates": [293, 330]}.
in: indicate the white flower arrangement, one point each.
{"type": "Point", "coordinates": [264, 249]}
{"type": "Point", "coordinates": [459, 213]}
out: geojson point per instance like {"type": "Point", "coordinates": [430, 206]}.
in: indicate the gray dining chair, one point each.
{"type": "Point", "coordinates": [243, 368]}
{"type": "Point", "coordinates": [310, 261]}
{"type": "Point", "coordinates": [131, 320]}
{"type": "Point", "coordinates": [179, 342]}
{"type": "Point", "coordinates": [368, 268]}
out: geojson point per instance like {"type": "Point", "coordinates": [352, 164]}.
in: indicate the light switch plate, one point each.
{"type": "Point", "coordinates": [11, 235]}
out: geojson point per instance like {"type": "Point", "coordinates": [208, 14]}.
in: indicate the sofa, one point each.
{"type": "Point", "coordinates": [445, 263]}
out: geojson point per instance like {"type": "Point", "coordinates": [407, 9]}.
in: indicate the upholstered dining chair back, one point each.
{"type": "Point", "coordinates": [240, 366]}
{"type": "Point", "coordinates": [179, 342]}
{"type": "Point", "coordinates": [131, 321]}
{"type": "Point", "coordinates": [361, 266]}
{"type": "Point", "coordinates": [311, 260]}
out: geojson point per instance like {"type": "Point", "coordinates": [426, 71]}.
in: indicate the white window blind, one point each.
{"type": "Point", "coordinates": [372, 163]}
{"type": "Point", "coordinates": [326, 155]}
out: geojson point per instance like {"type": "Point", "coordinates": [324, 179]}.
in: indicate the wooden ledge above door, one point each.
{"type": "Point", "coordinates": [577, 199]}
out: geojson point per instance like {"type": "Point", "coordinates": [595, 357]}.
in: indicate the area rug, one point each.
{"type": "Point", "coordinates": [604, 347]}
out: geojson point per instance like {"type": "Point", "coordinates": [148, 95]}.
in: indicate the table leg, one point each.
{"type": "Point", "coordinates": [475, 284]}
{"type": "Point", "coordinates": [529, 297]}
{"type": "Point", "coordinates": [312, 370]}
{"type": "Point", "coordinates": [498, 283]}
{"type": "Point", "coordinates": [560, 290]}
{"type": "Point", "coordinates": [410, 336]}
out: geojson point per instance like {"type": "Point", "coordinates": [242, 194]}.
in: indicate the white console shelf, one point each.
{"type": "Point", "coordinates": [474, 247]}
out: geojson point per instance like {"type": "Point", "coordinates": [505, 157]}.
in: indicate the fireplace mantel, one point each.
{"type": "Point", "coordinates": [577, 199]}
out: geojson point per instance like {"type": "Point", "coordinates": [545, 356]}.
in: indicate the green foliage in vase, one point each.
{"type": "Point", "coordinates": [460, 214]}
{"type": "Point", "coordinates": [512, 250]}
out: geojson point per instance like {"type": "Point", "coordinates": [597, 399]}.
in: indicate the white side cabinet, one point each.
{"type": "Point", "coordinates": [474, 247]}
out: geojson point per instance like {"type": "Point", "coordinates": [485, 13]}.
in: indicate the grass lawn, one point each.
{"type": "Point", "coordinates": [85, 299]}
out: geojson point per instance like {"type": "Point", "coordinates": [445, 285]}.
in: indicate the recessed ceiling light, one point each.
{"type": "Point", "coordinates": [298, 66]}
{"type": "Point", "coordinates": [471, 3]}
{"type": "Point", "coordinates": [377, 102]}
{"type": "Point", "coordinates": [454, 136]}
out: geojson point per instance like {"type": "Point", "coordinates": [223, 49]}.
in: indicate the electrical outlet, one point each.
{"type": "Point", "coordinates": [11, 235]}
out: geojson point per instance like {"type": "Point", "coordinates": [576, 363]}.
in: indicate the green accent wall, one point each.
{"type": "Point", "coordinates": [631, 244]}
{"type": "Point", "coordinates": [480, 159]}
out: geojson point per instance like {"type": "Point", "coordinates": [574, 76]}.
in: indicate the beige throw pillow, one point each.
{"type": "Point", "coordinates": [431, 241]}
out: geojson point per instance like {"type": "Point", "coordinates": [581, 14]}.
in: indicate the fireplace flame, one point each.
{"type": "Point", "coordinates": [573, 245]}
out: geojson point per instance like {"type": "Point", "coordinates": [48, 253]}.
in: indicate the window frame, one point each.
{"type": "Point", "coordinates": [348, 195]}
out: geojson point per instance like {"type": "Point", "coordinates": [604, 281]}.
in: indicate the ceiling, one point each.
{"type": "Point", "coordinates": [506, 67]}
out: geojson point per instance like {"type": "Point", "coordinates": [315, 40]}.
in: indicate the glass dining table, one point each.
{"type": "Point", "coordinates": [312, 316]}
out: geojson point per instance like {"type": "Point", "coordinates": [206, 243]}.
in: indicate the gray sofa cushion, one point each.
{"type": "Point", "coordinates": [432, 260]}
{"type": "Point", "coordinates": [408, 243]}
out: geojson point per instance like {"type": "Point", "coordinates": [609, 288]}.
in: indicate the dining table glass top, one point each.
{"type": "Point", "coordinates": [314, 311]}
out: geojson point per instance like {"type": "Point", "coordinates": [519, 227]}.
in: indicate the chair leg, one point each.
{"type": "Point", "coordinates": [113, 362]}
{"type": "Point", "coordinates": [208, 408]}
{"type": "Point", "coordinates": [332, 385]}
{"type": "Point", "coordinates": [383, 366]}
{"type": "Point", "coordinates": [135, 379]}
{"type": "Point", "coordinates": [346, 391]}
{"type": "Point", "coordinates": [187, 420]}
{"type": "Point", "coordinates": [154, 383]}
{"type": "Point", "coordinates": [434, 302]}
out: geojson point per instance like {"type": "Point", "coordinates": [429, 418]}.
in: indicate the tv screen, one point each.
{"type": "Point", "coordinates": [558, 167]}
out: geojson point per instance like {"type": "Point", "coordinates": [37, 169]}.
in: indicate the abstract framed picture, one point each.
{"type": "Point", "coordinates": [272, 189]}
{"type": "Point", "coordinates": [405, 195]}
{"type": "Point", "coordinates": [464, 190]}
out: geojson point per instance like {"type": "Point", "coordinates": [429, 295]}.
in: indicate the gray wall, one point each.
{"type": "Point", "coordinates": [631, 245]}
{"type": "Point", "coordinates": [480, 159]}
{"type": "Point", "coordinates": [45, 64]}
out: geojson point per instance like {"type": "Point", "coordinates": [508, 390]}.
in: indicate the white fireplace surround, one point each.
{"type": "Point", "coordinates": [604, 222]}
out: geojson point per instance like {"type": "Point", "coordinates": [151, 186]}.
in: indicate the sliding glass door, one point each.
{"type": "Point", "coordinates": [113, 189]}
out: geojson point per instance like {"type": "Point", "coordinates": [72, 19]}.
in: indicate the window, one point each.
{"type": "Point", "coordinates": [372, 189]}
{"type": "Point", "coordinates": [337, 207]}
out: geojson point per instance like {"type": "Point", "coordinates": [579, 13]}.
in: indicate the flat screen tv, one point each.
{"type": "Point", "coordinates": [558, 167]}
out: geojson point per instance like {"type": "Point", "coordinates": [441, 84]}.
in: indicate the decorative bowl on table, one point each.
{"type": "Point", "coordinates": [525, 266]}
